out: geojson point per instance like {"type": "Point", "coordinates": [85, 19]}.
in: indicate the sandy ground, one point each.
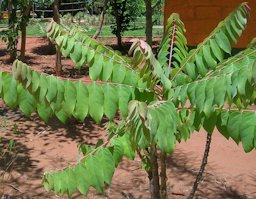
{"type": "Point", "coordinates": [41, 147]}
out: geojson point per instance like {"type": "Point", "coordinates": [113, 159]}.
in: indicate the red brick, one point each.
{"type": "Point", "coordinates": [185, 12]}
{"type": "Point", "coordinates": [234, 3]}
{"type": "Point", "coordinates": [171, 3]}
{"type": "Point", "coordinates": [199, 2]}
{"type": "Point", "coordinates": [200, 22]}
{"type": "Point", "coordinates": [200, 26]}
{"type": "Point", "coordinates": [208, 12]}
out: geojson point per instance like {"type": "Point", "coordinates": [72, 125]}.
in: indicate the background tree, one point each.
{"type": "Point", "coordinates": [10, 36]}
{"type": "Point", "coordinates": [18, 18]}
{"type": "Point", "coordinates": [123, 13]}
{"type": "Point", "coordinates": [25, 6]}
{"type": "Point", "coordinates": [150, 5]}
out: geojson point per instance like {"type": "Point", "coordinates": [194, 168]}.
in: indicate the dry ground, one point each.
{"type": "Point", "coordinates": [40, 147]}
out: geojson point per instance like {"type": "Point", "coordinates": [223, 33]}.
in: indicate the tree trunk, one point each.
{"type": "Point", "coordinates": [56, 18]}
{"type": "Point", "coordinates": [163, 176]}
{"type": "Point", "coordinates": [118, 26]}
{"type": "Point", "coordinates": [24, 33]}
{"type": "Point", "coordinates": [202, 168]}
{"type": "Point", "coordinates": [102, 17]}
{"type": "Point", "coordinates": [149, 22]}
{"type": "Point", "coordinates": [12, 41]}
{"type": "Point", "coordinates": [119, 40]}
{"type": "Point", "coordinates": [154, 182]}
{"type": "Point", "coordinates": [23, 42]}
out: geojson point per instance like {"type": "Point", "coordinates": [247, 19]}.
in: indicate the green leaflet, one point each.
{"type": "Point", "coordinates": [248, 131]}
{"type": "Point", "coordinates": [110, 101]}
{"type": "Point", "coordinates": [76, 54]}
{"type": "Point", "coordinates": [52, 88]}
{"type": "Point", "coordinates": [70, 96]}
{"type": "Point", "coordinates": [223, 42]}
{"type": "Point", "coordinates": [82, 101]}
{"type": "Point", "coordinates": [208, 57]}
{"type": "Point", "coordinates": [26, 101]}
{"type": "Point", "coordinates": [44, 111]}
{"type": "Point", "coordinates": [216, 50]}
{"type": "Point", "coordinates": [9, 90]}
{"type": "Point", "coordinates": [96, 100]}
{"type": "Point", "coordinates": [200, 95]}
{"type": "Point", "coordinates": [124, 98]}
{"type": "Point", "coordinates": [43, 87]}
{"type": "Point", "coordinates": [96, 68]}
{"type": "Point", "coordinates": [1, 83]}
{"type": "Point", "coordinates": [35, 81]}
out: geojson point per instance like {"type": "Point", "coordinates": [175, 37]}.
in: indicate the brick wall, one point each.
{"type": "Point", "coordinates": [202, 16]}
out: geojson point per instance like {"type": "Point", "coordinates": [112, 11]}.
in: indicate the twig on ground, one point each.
{"type": "Point", "coordinates": [12, 186]}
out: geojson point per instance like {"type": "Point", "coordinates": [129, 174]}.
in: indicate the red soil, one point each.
{"type": "Point", "coordinates": [41, 147]}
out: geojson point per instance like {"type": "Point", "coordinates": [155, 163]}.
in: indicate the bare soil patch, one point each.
{"type": "Point", "coordinates": [41, 147]}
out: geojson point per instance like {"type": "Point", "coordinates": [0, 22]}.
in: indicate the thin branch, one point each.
{"type": "Point", "coordinates": [202, 167]}
{"type": "Point", "coordinates": [12, 186]}
{"type": "Point", "coordinates": [102, 16]}
{"type": "Point", "coordinates": [221, 109]}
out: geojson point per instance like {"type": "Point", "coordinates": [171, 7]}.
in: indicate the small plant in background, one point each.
{"type": "Point", "coordinates": [159, 100]}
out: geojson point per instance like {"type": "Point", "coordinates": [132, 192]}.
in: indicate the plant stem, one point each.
{"type": "Point", "coordinates": [163, 188]}
{"type": "Point", "coordinates": [102, 17]}
{"type": "Point", "coordinates": [154, 182]}
{"type": "Point", "coordinates": [56, 18]}
{"type": "Point", "coordinates": [202, 168]}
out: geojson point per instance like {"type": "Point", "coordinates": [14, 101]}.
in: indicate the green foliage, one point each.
{"type": "Point", "coordinates": [124, 12]}
{"type": "Point", "coordinates": [161, 100]}
{"type": "Point", "coordinates": [94, 170]}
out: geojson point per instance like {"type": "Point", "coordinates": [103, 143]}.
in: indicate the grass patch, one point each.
{"type": "Point", "coordinates": [37, 29]}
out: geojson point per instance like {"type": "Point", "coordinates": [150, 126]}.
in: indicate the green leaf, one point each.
{"type": "Point", "coordinates": [216, 50]}
{"type": "Point", "coordinates": [52, 88]}
{"type": "Point", "coordinates": [44, 112]}
{"type": "Point", "coordinates": [208, 57]}
{"type": "Point", "coordinates": [96, 101]}
{"type": "Point", "coordinates": [82, 101]}
{"type": "Point", "coordinates": [220, 91]}
{"type": "Point", "coordinates": [26, 101]}
{"type": "Point", "coordinates": [43, 87]}
{"type": "Point", "coordinates": [223, 42]}
{"type": "Point", "coordinates": [96, 68]}
{"type": "Point", "coordinates": [9, 90]}
{"type": "Point", "coordinates": [233, 127]}
{"type": "Point", "coordinates": [70, 96]}
{"type": "Point", "coordinates": [248, 131]}
{"type": "Point", "coordinates": [110, 101]}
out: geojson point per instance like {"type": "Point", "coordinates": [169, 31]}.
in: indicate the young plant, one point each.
{"type": "Point", "coordinates": [160, 100]}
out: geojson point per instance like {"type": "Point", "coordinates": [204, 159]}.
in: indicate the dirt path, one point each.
{"type": "Point", "coordinates": [41, 147]}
